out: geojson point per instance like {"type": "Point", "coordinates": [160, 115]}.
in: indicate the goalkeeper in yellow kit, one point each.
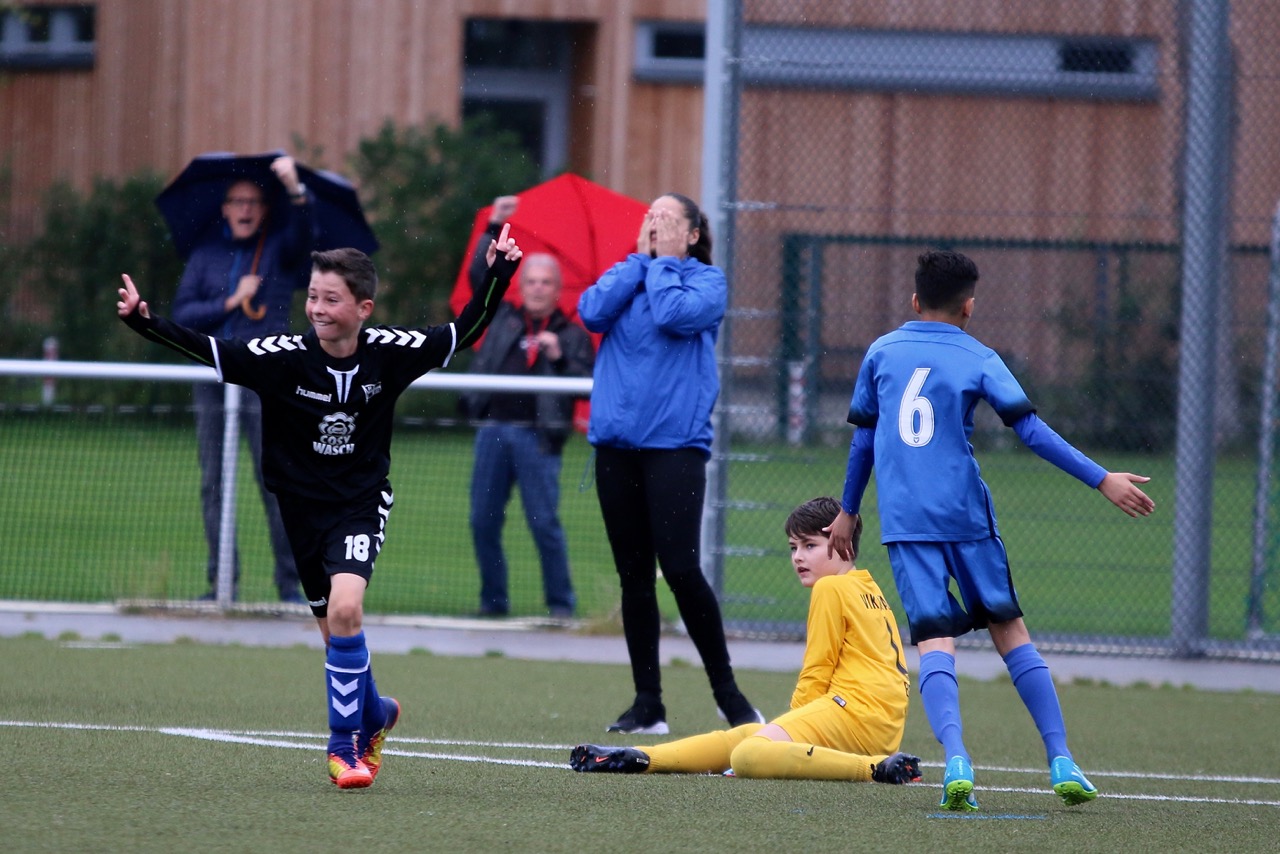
{"type": "Point", "coordinates": [850, 702]}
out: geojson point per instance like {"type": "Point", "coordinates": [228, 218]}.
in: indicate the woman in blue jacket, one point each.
{"type": "Point", "coordinates": [655, 385]}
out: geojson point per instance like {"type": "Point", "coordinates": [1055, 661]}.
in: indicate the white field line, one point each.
{"type": "Point", "coordinates": [285, 739]}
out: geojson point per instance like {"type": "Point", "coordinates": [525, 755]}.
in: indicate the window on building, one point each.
{"type": "Point", "coordinates": [47, 37]}
{"type": "Point", "coordinates": [518, 72]}
{"type": "Point", "coordinates": [669, 51]}
{"type": "Point", "coordinates": [1036, 65]}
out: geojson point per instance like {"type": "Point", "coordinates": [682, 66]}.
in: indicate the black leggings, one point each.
{"type": "Point", "coordinates": [651, 501]}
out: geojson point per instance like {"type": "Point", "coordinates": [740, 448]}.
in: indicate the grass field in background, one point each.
{"type": "Point", "coordinates": [107, 508]}
{"type": "Point", "coordinates": [188, 747]}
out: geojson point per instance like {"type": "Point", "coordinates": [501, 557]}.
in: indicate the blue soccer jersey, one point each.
{"type": "Point", "coordinates": [917, 389]}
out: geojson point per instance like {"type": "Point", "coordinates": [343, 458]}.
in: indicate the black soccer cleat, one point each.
{"type": "Point", "coordinates": [897, 769]}
{"type": "Point", "coordinates": [614, 760]}
{"type": "Point", "coordinates": [643, 718]}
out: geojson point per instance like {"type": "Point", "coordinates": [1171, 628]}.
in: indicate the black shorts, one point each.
{"type": "Point", "coordinates": [329, 537]}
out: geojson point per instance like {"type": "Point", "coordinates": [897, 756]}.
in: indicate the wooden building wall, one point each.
{"type": "Point", "coordinates": [175, 78]}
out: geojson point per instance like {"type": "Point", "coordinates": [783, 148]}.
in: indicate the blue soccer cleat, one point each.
{"type": "Point", "coordinates": [1069, 782]}
{"type": "Point", "coordinates": [957, 786]}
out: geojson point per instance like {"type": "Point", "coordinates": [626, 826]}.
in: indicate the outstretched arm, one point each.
{"type": "Point", "coordinates": [503, 257]}
{"type": "Point", "coordinates": [1120, 488]}
{"type": "Point", "coordinates": [133, 310]}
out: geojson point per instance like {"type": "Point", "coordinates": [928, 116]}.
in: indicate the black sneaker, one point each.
{"type": "Point", "coordinates": [897, 769]}
{"type": "Point", "coordinates": [641, 719]}
{"type": "Point", "coordinates": [615, 760]}
{"type": "Point", "coordinates": [737, 710]}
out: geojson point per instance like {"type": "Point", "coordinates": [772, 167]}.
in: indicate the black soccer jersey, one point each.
{"type": "Point", "coordinates": [326, 422]}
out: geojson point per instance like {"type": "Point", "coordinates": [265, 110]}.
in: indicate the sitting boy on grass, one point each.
{"type": "Point", "coordinates": [850, 703]}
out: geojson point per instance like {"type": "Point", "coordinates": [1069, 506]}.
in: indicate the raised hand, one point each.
{"type": "Point", "coordinates": [129, 300]}
{"type": "Point", "coordinates": [506, 244]}
{"type": "Point", "coordinates": [644, 243]}
{"type": "Point", "coordinates": [286, 169]}
{"type": "Point", "coordinates": [504, 207]}
{"type": "Point", "coordinates": [669, 235]}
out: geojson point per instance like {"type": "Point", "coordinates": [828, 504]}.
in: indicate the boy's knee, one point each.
{"type": "Point", "coordinates": [749, 758]}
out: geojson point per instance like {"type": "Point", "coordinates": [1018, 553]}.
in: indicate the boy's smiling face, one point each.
{"type": "Point", "coordinates": [335, 313]}
{"type": "Point", "coordinates": [810, 560]}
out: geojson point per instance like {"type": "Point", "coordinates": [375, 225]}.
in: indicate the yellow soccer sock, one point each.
{"type": "Point", "coordinates": [788, 760]}
{"type": "Point", "coordinates": [698, 754]}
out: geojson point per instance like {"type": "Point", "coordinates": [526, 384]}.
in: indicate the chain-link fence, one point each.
{"type": "Point", "coordinates": [1110, 167]}
{"type": "Point", "coordinates": [1107, 170]}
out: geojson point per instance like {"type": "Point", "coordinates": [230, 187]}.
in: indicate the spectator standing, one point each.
{"type": "Point", "coordinates": [239, 283]}
{"type": "Point", "coordinates": [659, 312]}
{"type": "Point", "coordinates": [522, 435]}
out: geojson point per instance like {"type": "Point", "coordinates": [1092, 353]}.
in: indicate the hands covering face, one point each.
{"type": "Point", "coordinates": [664, 231]}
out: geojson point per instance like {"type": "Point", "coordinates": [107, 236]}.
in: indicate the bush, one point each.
{"type": "Point", "coordinates": [421, 188]}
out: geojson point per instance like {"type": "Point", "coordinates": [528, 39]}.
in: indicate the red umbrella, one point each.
{"type": "Point", "coordinates": [587, 227]}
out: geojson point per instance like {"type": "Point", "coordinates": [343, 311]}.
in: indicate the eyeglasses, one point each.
{"type": "Point", "coordinates": [244, 202]}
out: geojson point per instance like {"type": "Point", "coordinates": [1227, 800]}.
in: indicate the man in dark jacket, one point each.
{"type": "Point", "coordinates": [239, 283]}
{"type": "Point", "coordinates": [521, 435]}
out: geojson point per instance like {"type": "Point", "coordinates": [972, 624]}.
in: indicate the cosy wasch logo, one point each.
{"type": "Point", "coordinates": [336, 431]}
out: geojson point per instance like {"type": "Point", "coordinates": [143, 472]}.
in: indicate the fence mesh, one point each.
{"type": "Point", "coordinates": [1086, 155]}
{"type": "Point", "coordinates": [1067, 153]}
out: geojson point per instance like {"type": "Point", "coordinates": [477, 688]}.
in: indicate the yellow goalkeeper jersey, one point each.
{"type": "Point", "coordinates": [853, 651]}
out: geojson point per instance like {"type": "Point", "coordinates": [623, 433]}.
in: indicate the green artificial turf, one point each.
{"type": "Point", "coordinates": [187, 747]}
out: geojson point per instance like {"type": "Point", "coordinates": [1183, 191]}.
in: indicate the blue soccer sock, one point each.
{"type": "Point", "coordinates": [373, 716]}
{"type": "Point", "coordinates": [347, 680]}
{"type": "Point", "coordinates": [941, 696]}
{"type": "Point", "coordinates": [1031, 677]}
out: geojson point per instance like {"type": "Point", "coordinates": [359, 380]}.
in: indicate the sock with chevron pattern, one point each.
{"type": "Point", "coordinates": [346, 670]}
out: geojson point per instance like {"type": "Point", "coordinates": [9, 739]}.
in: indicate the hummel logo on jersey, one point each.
{"type": "Point", "coordinates": [399, 337]}
{"type": "Point", "coordinates": [336, 431]}
{"type": "Point", "coordinates": [314, 395]}
{"type": "Point", "coordinates": [276, 343]}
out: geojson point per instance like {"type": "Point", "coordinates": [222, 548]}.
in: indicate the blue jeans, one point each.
{"type": "Point", "coordinates": [507, 454]}
{"type": "Point", "coordinates": [210, 418]}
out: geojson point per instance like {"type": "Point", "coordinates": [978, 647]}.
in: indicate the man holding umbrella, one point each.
{"type": "Point", "coordinates": [239, 282]}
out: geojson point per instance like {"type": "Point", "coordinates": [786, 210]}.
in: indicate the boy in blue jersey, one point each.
{"type": "Point", "coordinates": [915, 395]}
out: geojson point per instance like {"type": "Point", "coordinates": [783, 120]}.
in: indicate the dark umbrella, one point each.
{"type": "Point", "coordinates": [589, 228]}
{"type": "Point", "coordinates": [192, 202]}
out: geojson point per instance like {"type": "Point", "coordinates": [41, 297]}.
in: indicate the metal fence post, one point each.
{"type": "Point", "coordinates": [1204, 199]}
{"type": "Point", "coordinates": [225, 588]}
{"type": "Point", "coordinates": [719, 191]}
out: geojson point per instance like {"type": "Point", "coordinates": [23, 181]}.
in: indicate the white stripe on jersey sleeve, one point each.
{"type": "Point", "coordinates": [217, 362]}
{"type": "Point", "coordinates": [453, 345]}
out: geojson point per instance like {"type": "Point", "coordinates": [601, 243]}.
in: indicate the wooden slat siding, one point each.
{"type": "Point", "coordinates": [176, 77]}
{"type": "Point", "coordinates": [666, 140]}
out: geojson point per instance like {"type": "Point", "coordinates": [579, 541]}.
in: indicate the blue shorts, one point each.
{"type": "Point", "coordinates": [329, 537]}
{"type": "Point", "coordinates": [923, 573]}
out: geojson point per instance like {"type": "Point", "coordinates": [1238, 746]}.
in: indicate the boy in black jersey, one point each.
{"type": "Point", "coordinates": [328, 398]}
